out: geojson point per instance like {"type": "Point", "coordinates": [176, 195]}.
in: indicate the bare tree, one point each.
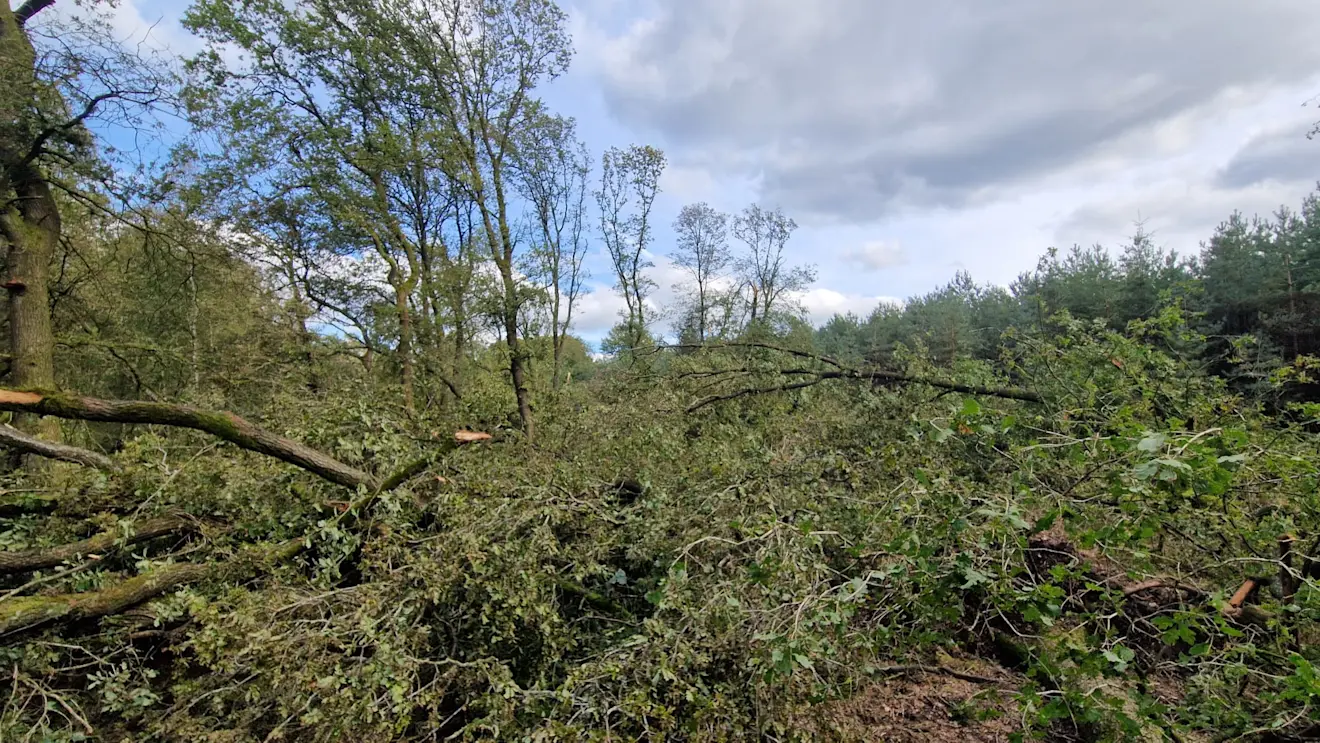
{"type": "Point", "coordinates": [626, 175]}
{"type": "Point", "coordinates": [702, 250]}
{"type": "Point", "coordinates": [764, 270]}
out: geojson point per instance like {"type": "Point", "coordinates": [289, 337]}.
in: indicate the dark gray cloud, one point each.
{"type": "Point", "coordinates": [1283, 154]}
{"type": "Point", "coordinates": [847, 109]}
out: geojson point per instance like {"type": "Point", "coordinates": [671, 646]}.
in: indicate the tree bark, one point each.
{"type": "Point", "coordinates": [29, 611]}
{"type": "Point", "coordinates": [222, 424]}
{"type": "Point", "coordinates": [401, 293]}
{"type": "Point", "coordinates": [30, 223]}
{"type": "Point", "coordinates": [16, 439]}
{"type": "Point", "coordinates": [36, 559]}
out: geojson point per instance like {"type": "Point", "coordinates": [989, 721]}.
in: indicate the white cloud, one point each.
{"type": "Point", "coordinates": [876, 255]}
{"type": "Point", "coordinates": [822, 304]}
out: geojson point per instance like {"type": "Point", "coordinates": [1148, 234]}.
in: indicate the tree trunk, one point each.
{"type": "Point", "coordinates": [405, 347]}
{"type": "Point", "coordinates": [30, 224]}
{"type": "Point", "coordinates": [32, 229]}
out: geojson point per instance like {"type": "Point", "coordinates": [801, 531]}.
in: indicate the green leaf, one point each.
{"type": "Point", "coordinates": [1153, 442]}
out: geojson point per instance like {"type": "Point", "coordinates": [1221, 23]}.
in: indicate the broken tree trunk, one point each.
{"type": "Point", "coordinates": [221, 424]}
{"type": "Point", "coordinates": [36, 559]}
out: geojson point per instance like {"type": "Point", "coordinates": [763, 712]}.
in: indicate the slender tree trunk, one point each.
{"type": "Point", "coordinates": [406, 346]}
{"type": "Point", "coordinates": [304, 334]}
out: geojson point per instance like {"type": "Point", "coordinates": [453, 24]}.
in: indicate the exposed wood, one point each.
{"type": "Point", "coordinates": [222, 424]}
{"type": "Point", "coordinates": [1244, 593]}
{"type": "Point", "coordinates": [36, 559]}
{"type": "Point", "coordinates": [15, 439]}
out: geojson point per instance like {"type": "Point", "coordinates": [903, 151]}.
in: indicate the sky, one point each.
{"type": "Point", "coordinates": [912, 140]}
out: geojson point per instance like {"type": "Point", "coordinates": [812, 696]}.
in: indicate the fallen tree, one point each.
{"type": "Point", "coordinates": [810, 377]}
{"type": "Point", "coordinates": [15, 439]}
{"type": "Point", "coordinates": [224, 425]}
{"type": "Point", "coordinates": [36, 559]}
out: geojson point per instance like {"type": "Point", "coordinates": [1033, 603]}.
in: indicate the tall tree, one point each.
{"type": "Point", "coordinates": [48, 96]}
{"type": "Point", "coordinates": [702, 249]}
{"type": "Point", "coordinates": [625, 225]}
{"type": "Point", "coordinates": [764, 268]}
{"type": "Point", "coordinates": [555, 167]}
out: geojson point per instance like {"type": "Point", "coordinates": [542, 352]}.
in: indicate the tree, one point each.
{"type": "Point", "coordinates": [702, 250]}
{"type": "Point", "coordinates": [626, 175]}
{"type": "Point", "coordinates": [764, 268]}
{"type": "Point", "coordinates": [403, 119]}
{"type": "Point", "coordinates": [48, 96]}
{"type": "Point", "coordinates": [555, 166]}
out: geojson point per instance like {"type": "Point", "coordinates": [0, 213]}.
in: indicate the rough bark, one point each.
{"type": "Point", "coordinates": [20, 441]}
{"type": "Point", "coordinates": [221, 424]}
{"type": "Point", "coordinates": [29, 220]}
{"type": "Point", "coordinates": [36, 559]}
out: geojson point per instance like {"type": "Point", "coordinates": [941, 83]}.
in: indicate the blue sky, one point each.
{"type": "Point", "coordinates": [913, 140]}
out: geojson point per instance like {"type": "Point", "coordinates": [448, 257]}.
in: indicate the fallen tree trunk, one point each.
{"type": "Point", "coordinates": [36, 559]}
{"type": "Point", "coordinates": [15, 439]}
{"type": "Point", "coordinates": [221, 424]}
{"type": "Point", "coordinates": [26, 612]}
{"type": "Point", "coordinates": [873, 375]}
{"type": "Point", "coordinates": [29, 611]}
{"type": "Point", "coordinates": [840, 371]}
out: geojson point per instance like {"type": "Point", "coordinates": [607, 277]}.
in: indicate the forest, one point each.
{"type": "Point", "coordinates": [301, 443]}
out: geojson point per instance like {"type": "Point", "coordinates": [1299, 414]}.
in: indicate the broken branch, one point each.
{"type": "Point", "coordinates": [15, 439]}
{"type": "Point", "coordinates": [221, 424]}
{"type": "Point", "coordinates": [36, 559]}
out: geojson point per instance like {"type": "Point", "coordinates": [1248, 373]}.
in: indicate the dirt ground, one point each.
{"type": "Point", "coordinates": [921, 707]}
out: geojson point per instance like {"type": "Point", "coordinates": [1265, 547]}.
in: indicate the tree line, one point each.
{"type": "Point", "coordinates": [1253, 291]}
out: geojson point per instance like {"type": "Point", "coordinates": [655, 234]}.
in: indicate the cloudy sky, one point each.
{"type": "Point", "coordinates": [910, 140]}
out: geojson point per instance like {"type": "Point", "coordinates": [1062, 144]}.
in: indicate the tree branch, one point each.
{"type": "Point", "coordinates": [221, 424]}
{"type": "Point", "coordinates": [30, 611]}
{"type": "Point", "coordinates": [15, 439]}
{"type": "Point", "coordinates": [36, 559]}
{"type": "Point", "coordinates": [874, 375]}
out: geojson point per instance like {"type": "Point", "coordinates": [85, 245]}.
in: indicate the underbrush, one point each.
{"type": "Point", "coordinates": [642, 573]}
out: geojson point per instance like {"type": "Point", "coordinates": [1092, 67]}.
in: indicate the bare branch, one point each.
{"type": "Point", "coordinates": [15, 439]}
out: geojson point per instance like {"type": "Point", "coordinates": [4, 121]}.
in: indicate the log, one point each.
{"type": "Point", "coordinates": [17, 614]}
{"type": "Point", "coordinates": [221, 424]}
{"type": "Point", "coordinates": [36, 559]}
{"type": "Point", "coordinates": [15, 439]}
{"type": "Point", "coordinates": [30, 611]}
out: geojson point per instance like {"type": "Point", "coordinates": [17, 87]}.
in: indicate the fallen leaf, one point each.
{"type": "Point", "coordinates": [467, 437]}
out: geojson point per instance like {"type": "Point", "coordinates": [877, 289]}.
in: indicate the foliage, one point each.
{"type": "Point", "coordinates": [1102, 483]}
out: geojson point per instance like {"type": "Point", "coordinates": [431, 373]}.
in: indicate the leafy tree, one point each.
{"type": "Point", "coordinates": [763, 267]}
{"type": "Point", "coordinates": [702, 250]}
{"type": "Point", "coordinates": [555, 166]}
{"type": "Point", "coordinates": [55, 81]}
{"type": "Point", "coordinates": [629, 183]}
